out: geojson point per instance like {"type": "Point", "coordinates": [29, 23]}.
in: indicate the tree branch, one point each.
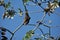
{"type": "Point", "coordinates": [16, 31]}
{"type": "Point", "coordinates": [40, 22]}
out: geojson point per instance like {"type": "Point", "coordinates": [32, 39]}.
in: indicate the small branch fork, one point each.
{"type": "Point", "coordinates": [36, 26]}
{"type": "Point", "coordinates": [16, 31]}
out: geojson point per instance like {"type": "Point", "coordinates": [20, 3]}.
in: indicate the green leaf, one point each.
{"type": "Point", "coordinates": [7, 5]}
{"type": "Point", "coordinates": [20, 12]}
{"type": "Point", "coordinates": [25, 1]}
{"type": "Point", "coordinates": [28, 35]}
{"type": "Point", "coordinates": [9, 14]}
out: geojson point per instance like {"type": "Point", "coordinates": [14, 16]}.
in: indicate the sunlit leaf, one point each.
{"type": "Point", "coordinates": [28, 35]}
{"type": "Point", "coordinates": [54, 4]}
{"type": "Point", "coordinates": [9, 14]}
{"type": "Point", "coordinates": [46, 10]}
{"type": "Point", "coordinates": [20, 12]}
{"type": "Point", "coordinates": [4, 15]}
{"type": "Point", "coordinates": [7, 5]}
{"type": "Point", "coordinates": [2, 3]}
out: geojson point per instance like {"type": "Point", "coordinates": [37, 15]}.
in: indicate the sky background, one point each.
{"type": "Point", "coordinates": [12, 24]}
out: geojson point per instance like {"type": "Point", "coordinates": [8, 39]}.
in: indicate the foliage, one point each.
{"type": "Point", "coordinates": [28, 35]}
{"type": "Point", "coordinates": [10, 13]}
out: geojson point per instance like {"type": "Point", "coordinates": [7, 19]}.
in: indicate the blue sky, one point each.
{"type": "Point", "coordinates": [12, 24]}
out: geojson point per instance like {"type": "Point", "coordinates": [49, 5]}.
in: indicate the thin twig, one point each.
{"type": "Point", "coordinates": [49, 26]}
{"type": "Point", "coordinates": [49, 32]}
{"type": "Point", "coordinates": [23, 23]}
{"type": "Point", "coordinates": [33, 11]}
{"type": "Point", "coordinates": [40, 22]}
{"type": "Point", "coordinates": [17, 28]}
{"type": "Point", "coordinates": [43, 17]}
{"type": "Point", "coordinates": [57, 14]}
{"type": "Point", "coordinates": [31, 24]}
{"type": "Point", "coordinates": [46, 25]}
{"type": "Point", "coordinates": [16, 31]}
{"type": "Point", "coordinates": [41, 31]}
{"type": "Point", "coordinates": [38, 27]}
{"type": "Point", "coordinates": [38, 5]}
{"type": "Point", "coordinates": [11, 37]}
